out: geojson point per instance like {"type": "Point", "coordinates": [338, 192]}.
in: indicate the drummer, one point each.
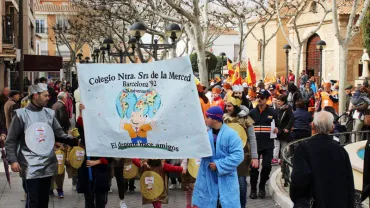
{"type": "Point", "coordinates": [30, 142]}
{"type": "Point", "coordinates": [237, 114]}
{"type": "Point", "coordinates": [153, 181]}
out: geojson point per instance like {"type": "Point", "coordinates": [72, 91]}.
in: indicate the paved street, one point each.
{"type": "Point", "coordinates": [10, 198]}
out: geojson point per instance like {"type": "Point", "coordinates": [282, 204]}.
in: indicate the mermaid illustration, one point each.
{"type": "Point", "coordinates": [137, 113]}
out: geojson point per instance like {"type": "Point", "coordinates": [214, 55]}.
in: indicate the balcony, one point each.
{"type": "Point", "coordinates": [8, 29]}
{"type": "Point", "coordinates": [64, 54]}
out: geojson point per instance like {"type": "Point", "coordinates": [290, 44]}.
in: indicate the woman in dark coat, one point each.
{"type": "Point", "coordinates": [95, 191]}
{"type": "Point", "coordinates": [286, 120]}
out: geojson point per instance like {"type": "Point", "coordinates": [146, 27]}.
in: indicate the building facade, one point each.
{"type": "Point", "coordinates": [9, 27]}
{"type": "Point", "coordinates": [49, 14]}
{"type": "Point", "coordinates": [275, 61]}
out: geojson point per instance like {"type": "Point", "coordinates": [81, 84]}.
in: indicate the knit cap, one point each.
{"type": "Point", "coordinates": [215, 113]}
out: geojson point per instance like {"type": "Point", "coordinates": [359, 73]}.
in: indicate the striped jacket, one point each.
{"type": "Point", "coordinates": [262, 126]}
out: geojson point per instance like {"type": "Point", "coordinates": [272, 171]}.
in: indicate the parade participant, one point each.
{"type": "Point", "coordinates": [291, 77]}
{"type": "Point", "coordinates": [315, 161]}
{"type": "Point", "coordinates": [303, 79]}
{"type": "Point", "coordinates": [188, 182]}
{"type": "Point", "coordinates": [308, 96]}
{"type": "Point", "coordinates": [156, 169]}
{"type": "Point", "coordinates": [274, 95]}
{"type": "Point", "coordinates": [238, 114]}
{"type": "Point", "coordinates": [217, 180]}
{"type": "Point", "coordinates": [228, 90]}
{"type": "Point", "coordinates": [263, 117]}
{"type": "Point", "coordinates": [238, 92]}
{"type": "Point", "coordinates": [118, 168]}
{"type": "Point", "coordinates": [3, 99]}
{"type": "Point", "coordinates": [31, 153]}
{"type": "Point", "coordinates": [293, 95]}
{"type": "Point", "coordinates": [10, 106]}
{"type": "Point", "coordinates": [217, 100]}
{"type": "Point", "coordinates": [62, 117]}
{"type": "Point", "coordinates": [329, 97]}
{"type": "Point", "coordinates": [204, 102]}
{"type": "Point", "coordinates": [286, 121]}
{"type": "Point", "coordinates": [313, 84]}
{"type": "Point", "coordinates": [96, 190]}
{"type": "Point", "coordinates": [252, 96]}
{"type": "Point", "coordinates": [302, 122]}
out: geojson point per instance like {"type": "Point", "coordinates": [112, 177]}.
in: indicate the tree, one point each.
{"type": "Point", "coordinates": [353, 27]}
{"type": "Point", "coordinates": [294, 10]}
{"type": "Point", "coordinates": [221, 62]}
{"type": "Point", "coordinates": [266, 13]}
{"type": "Point", "coordinates": [366, 30]}
{"type": "Point", "coordinates": [74, 34]}
{"type": "Point", "coordinates": [240, 13]}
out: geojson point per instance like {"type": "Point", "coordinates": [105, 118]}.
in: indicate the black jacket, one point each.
{"type": "Point", "coordinates": [286, 120]}
{"type": "Point", "coordinates": [101, 174]}
{"type": "Point", "coordinates": [322, 171]}
{"type": "Point", "coordinates": [262, 126]}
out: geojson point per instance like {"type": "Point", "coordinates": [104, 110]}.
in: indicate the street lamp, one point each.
{"type": "Point", "coordinates": [320, 45]}
{"type": "Point", "coordinates": [108, 42]}
{"type": "Point", "coordinates": [102, 49]}
{"type": "Point", "coordinates": [87, 59]}
{"type": "Point", "coordinates": [287, 49]}
{"type": "Point", "coordinates": [138, 30]}
{"type": "Point", "coordinates": [223, 55]}
{"type": "Point", "coordinates": [95, 55]}
{"type": "Point", "coordinates": [79, 57]}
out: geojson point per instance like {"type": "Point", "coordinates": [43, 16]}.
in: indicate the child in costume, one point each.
{"type": "Point", "coordinates": [154, 180]}
{"type": "Point", "coordinates": [188, 180]}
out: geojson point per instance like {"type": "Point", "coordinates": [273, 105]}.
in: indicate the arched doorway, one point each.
{"type": "Point", "coordinates": [312, 56]}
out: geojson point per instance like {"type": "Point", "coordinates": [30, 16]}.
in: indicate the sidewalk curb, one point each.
{"type": "Point", "coordinates": [277, 194]}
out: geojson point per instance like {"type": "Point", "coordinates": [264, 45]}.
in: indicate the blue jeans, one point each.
{"type": "Point", "coordinates": [243, 190]}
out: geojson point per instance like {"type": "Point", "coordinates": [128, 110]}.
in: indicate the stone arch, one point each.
{"type": "Point", "coordinates": [312, 56]}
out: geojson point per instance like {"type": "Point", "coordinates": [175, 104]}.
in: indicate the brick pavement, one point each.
{"type": "Point", "coordinates": [10, 198]}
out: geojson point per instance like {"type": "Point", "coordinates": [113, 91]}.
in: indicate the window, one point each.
{"type": "Point", "coordinates": [40, 26]}
{"type": "Point", "coordinates": [62, 22]}
{"type": "Point", "coordinates": [259, 51]}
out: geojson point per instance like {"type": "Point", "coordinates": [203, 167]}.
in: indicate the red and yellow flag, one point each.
{"type": "Point", "coordinates": [230, 68]}
{"type": "Point", "coordinates": [237, 78]}
{"type": "Point", "coordinates": [251, 77]}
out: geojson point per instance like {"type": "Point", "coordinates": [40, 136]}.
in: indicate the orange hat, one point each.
{"type": "Point", "coordinates": [227, 86]}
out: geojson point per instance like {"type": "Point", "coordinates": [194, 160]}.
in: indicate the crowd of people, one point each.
{"type": "Point", "coordinates": [245, 124]}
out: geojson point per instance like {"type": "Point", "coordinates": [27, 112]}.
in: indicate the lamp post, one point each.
{"type": "Point", "coordinates": [108, 42]}
{"type": "Point", "coordinates": [287, 49]}
{"type": "Point", "coordinates": [138, 30]}
{"type": "Point", "coordinates": [320, 45]}
{"type": "Point", "coordinates": [223, 55]}
{"type": "Point", "coordinates": [79, 57]}
{"type": "Point", "coordinates": [95, 55]}
{"type": "Point", "coordinates": [102, 49]}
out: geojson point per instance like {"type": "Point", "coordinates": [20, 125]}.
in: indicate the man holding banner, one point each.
{"type": "Point", "coordinates": [217, 181]}
{"type": "Point", "coordinates": [30, 144]}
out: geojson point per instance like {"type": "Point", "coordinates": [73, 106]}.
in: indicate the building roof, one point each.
{"type": "Point", "coordinates": [42, 7]}
{"type": "Point", "coordinates": [345, 6]}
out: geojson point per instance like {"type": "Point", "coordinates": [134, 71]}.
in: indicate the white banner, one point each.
{"type": "Point", "coordinates": [142, 110]}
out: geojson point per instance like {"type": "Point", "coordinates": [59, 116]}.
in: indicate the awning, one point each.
{"type": "Point", "coordinates": [42, 63]}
